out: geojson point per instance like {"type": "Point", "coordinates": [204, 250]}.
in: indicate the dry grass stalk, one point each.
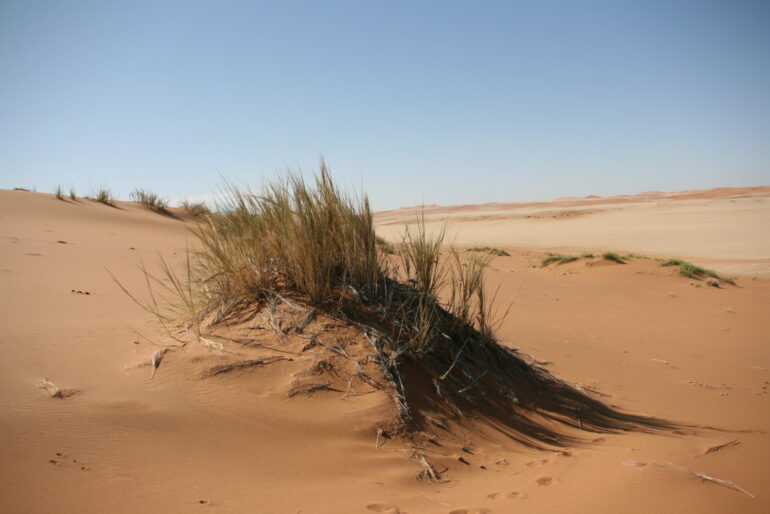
{"type": "Point", "coordinates": [428, 472]}
{"type": "Point", "coordinates": [227, 368]}
{"type": "Point", "coordinates": [719, 481]}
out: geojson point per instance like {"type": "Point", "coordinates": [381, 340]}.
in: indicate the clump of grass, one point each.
{"type": "Point", "coordinates": [587, 256]}
{"type": "Point", "coordinates": [690, 270]}
{"type": "Point", "coordinates": [59, 193]}
{"type": "Point", "coordinates": [195, 209]}
{"type": "Point", "coordinates": [613, 257]}
{"type": "Point", "coordinates": [315, 245]}
{"type": "Point", "coordinates": [492, 251]}
{"type": "Point", "coordinates": [72, 194]}
{"type": "Point", "coordinates": [149, 199]}
{"type": "Point", "coordinates": [558, 259]}
{"type": "Point", "coordinates": [103, 194]}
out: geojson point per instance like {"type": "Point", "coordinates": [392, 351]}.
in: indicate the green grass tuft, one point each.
{"type": "Point", "coordinates": [690, 270]}
{"type": "Point", "coordinates": [492, 251]}
{"type": "Point", "coordinates": [613, 257]}
{"type": "Point", "coordinates": [558, 259]}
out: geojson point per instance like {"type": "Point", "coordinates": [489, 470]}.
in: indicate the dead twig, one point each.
{"type": "Point", "coordinates": [719, 481]}
{"type": "Point", "coordinates": [723, 445]}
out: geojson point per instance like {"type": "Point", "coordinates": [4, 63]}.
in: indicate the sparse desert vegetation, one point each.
{"type": "Point", "coordinates": [497, 252]}
{"type": "Point", "coordinates": [102, 194]}
{"type": "Point", "coordinates": [558, 259]}
{"type": "Point", "coordinates": [59, 193]}
{"type": "Point", "coordinates": [195, 209]}
{"type": "Point", "coordinates": [613, 257]}
{"type": "Point", "coordinates": [313, 247]}
{"type": "Point", "coordinates": [690, 270]}
{"type": "Point", "coordinates": [149, 199]}
{"type": "Point", "coordinates": [404, 364]}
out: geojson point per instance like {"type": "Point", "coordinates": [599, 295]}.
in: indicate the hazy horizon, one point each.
{"type": "Point", "coordinates": [437, 103]}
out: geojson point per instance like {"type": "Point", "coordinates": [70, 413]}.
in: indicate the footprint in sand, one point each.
{"type": "Point", "coordinates": [384, 508]}
{"type": "Point", "coordinates": [538, 462]}
{"type": "Point", "coordinates": [546, 480]}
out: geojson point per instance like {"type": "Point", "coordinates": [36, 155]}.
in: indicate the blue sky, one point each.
{"type": "Point", "coordinates": [435, 102]}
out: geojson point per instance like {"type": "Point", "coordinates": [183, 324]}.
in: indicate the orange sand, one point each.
{"type": "Point", "coordinates": [652, 341]}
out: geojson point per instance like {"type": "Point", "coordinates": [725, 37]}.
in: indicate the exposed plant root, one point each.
{"type": "Point", "coordinates": [308, 388]}
{"type": "Point", "coordinates": [227, 368]}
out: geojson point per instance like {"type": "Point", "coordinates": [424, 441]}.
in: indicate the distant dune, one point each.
{"type": "Point", "coordinates": [726, 228]}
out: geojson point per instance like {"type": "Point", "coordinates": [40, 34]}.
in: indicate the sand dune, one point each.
{"type": "Point", "coordinates": [638, 336]}
{"type": "Point", "coordinates": [727, 229]}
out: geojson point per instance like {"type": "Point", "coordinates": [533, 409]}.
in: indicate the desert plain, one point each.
{"type": "Point", "coordinates": [124, 435]}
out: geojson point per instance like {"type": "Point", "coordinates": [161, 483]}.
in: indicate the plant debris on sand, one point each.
{"type": "Point", "coordinates": [419, 324]}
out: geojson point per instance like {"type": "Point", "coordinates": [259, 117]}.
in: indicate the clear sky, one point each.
{"type": "Point", "coordinates": [436, 102]}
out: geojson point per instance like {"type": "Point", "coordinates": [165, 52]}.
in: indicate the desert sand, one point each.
{"type": "Point", "coordinates": [122, 438]}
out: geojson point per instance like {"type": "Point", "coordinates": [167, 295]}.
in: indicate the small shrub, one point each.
{"type": "Point", "coordinates": [587, 256]}
{"type": "Point", "coordinates": [492, 251]}
{"type": "Point", "coordinates": [558, 259]}
{"type": "Point", "coordinates": [634, 256]}
{"type": "Point", "coordinates": [59, 193]}
{"type": "Point", "coordinates": [73, 196]}
{"type": "Point", "coordinates": [151, 200]}
{"type": "Point", "coordinates": [613, 257]}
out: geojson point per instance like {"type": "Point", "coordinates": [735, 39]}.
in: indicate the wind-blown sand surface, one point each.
{"type": "Point", "coordinates": [727, 229]}
{"type": "Point", "coordinates": [640, 336]}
